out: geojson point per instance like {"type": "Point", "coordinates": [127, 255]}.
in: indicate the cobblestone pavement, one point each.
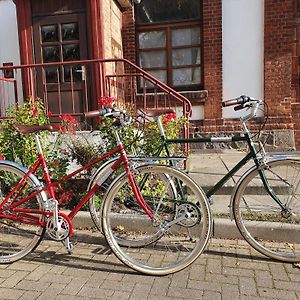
{"type": "Point", "coordinates": [229, 269]}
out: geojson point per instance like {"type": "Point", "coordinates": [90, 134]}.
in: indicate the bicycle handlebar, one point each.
{"type": "Point", "coordinates": [104, 112]}
{"type": "Point", "coordinates": [109, 112]}
{"type": "Point", "coordinates": [244, 102]}
{"type": "Point", "coordinates": [240, 101]}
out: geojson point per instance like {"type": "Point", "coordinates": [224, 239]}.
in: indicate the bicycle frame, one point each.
{"type": "Point", "coordinates": [26, 215]}
{"type": "Point", "coordinates": [252, 154]}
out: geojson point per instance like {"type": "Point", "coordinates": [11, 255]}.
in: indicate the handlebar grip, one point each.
{"type": "Point", "coordinates": [98, 113]}
{"type": "Point", "coordinates": [240, 100]}
{"type": "Point", "coordinates": [92, 114]}
{"type": "Point", "coordinates": [239, 107]}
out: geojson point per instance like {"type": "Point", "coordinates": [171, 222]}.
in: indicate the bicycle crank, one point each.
{"type": "Point", "coordinates": [60, 230]}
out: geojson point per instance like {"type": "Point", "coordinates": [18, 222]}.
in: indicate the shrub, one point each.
{"type": "Point", "coordinates": [18, 147]}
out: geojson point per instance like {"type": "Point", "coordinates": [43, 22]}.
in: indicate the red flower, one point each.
{"type": "Point", "coordinates": [68, 124]}
{"type": "Point", "coordinates": [1, 157]}
{"type": "Point", "coordinates": [167, 118]}
{"type": "Point", "coordinates": [49, 114]}
{"type": "Point", "coordinates": [106, 101]}
{"type": "Point", "coordinates": [34, 111]}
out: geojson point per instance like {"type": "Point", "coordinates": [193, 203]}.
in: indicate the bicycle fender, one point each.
{"type": "Point", "coordinates": [99, 172]}
{"type": "Point", "coordinates": [104, 167]}
{"type": "Point", "coordinates": [250, 170]}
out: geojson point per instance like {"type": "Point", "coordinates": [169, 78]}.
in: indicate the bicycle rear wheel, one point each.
{"type": "Point", "coordinates": [17, 239]}
{"type": "Point", "coordinates": [181, 228]}
{"type": "Point", "coordinates": [269, 229]}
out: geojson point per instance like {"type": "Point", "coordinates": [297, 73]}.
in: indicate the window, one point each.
{"type": "Point", "coordinates": [169, 41]}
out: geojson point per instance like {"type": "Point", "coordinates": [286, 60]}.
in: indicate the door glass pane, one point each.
{"type": "Point", "coordinates": [157, 11]}
{"type": "Point", "coordinates": [186, 36]}
{"type": "Point", "coordinates": [152, 39]}
{"type": "Point", "coordinates": [51, 74]}
{"type": "Point", "coordinates": [76, 73]}
{"type": "Point", "coordinates": [153, 59]}
{"type": "Point", "coordinates": [51, 54]}
{"type": "Point", "coordinates": [182, 57]}
{"type": "Point", "coordinates": [186, 76]}
{"type": "Point", "coordinates": [71, 52]}
{"type": "Point", "coordinates": [49, 33]}
{"type": "Point", "coordinates": [69, 31]}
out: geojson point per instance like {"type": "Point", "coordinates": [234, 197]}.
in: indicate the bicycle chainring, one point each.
{"type": "Point", "coordinates": [60, 231]}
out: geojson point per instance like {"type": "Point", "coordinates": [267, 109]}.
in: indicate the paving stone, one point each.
{"type": "Point", "coordinates": [230, 292]}
{"type": "Point", "coordinates": [32, 285]}
{"type": "Point", "coordinates": [14, 279]}
{"type": "Point", "coordinates": [39, 272]}
{"type": "Point", "coordinates": [277, 294]}
{"type": "Point", "coordinates": [185, 293]}
{"type": "Point", "coordinates": [74, 286]}
{"type": "Point", "coordinates": [264, 278]}
{"type": "Point", "coordinates": [160, 286]}
{"type": "Point", "coordinates": [30, 295]}
{"type": "Point", "coordinates": [238, 271]}
{"type": "Point", "coordinates": [209, 295]}
{"type": "Point", "coordinates": [52, 291]}
{"type": "Point", "coordinates": [95, 293]}
{"type": "Point", "coordinates": [278, 271]}
{"type": "Point", "coordinates": [8, 294]}
{"type": "Point", "coordinates": [247, 286]}
{"type": "Point", "coordinates": [204, 285]}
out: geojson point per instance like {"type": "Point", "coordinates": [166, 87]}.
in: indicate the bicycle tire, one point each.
{"type": "Point", "coordinates": [169, 248]}
{"type": "Point", "coordinates": [17, 239]}
{"type": "Point", "coordinates": [260, 219]}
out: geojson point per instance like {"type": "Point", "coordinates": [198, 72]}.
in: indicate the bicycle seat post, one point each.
{"type": "Point", "coordinates": [160, 127]}
{"type": "Point", "coordinates": [38, 143]}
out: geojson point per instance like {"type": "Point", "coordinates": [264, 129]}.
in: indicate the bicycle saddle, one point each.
{"type": "Point", "coordinates": [28, 129]}
{"type": "Point", "coordinates": [156, 112]}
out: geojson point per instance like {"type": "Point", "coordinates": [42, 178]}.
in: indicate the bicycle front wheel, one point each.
{"type": "Point", "coordinates": [18, 238]}
{"type": "Point", "coordinates": [179, 231]}
{"type": "Point", "coordinates": [271, 230]}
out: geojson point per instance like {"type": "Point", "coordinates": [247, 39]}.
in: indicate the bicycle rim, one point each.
{"type": "Point", "coordinates": [166, 245]}
{"type": "Point", "coordinates": [18, 239]}
{"type": "Point", "coordinates": [261, 221]}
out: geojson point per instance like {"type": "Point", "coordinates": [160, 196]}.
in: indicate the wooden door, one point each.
{"type": "Point", "coordinates": [61, 38]}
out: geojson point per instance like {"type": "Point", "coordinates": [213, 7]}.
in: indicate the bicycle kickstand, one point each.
{"type": "Point", "coordinates": [68, 244]}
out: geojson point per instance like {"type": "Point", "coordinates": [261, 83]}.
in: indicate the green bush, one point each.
{"type": "Point", "coordinates": [18, 147]}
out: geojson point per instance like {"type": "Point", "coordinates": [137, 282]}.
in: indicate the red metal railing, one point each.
{"type": "Point", "coordinates": [74, 87]}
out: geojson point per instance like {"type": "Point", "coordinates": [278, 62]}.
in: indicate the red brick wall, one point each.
{"type": "Point", "coordinates": [128, 35]}
{"type": "Point", "coordinates": [212, 43]}
{"type": "Point", "coordinates": [278, 63]}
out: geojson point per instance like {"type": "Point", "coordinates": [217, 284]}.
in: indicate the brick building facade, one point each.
{"type": "Point", "coordinates": [111, 29]}
{"type": "Point", "coordinates": [281, 78]}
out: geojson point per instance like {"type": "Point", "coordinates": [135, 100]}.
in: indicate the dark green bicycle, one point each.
{"type": "Point", "coordinates": [265, 202]}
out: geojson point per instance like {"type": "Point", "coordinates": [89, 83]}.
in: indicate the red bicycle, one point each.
{"type": "Point", "coordinates": [154, 217]}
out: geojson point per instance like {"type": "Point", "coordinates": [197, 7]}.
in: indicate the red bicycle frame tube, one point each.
{"type": "Point", "coordinates": [25, 215]}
